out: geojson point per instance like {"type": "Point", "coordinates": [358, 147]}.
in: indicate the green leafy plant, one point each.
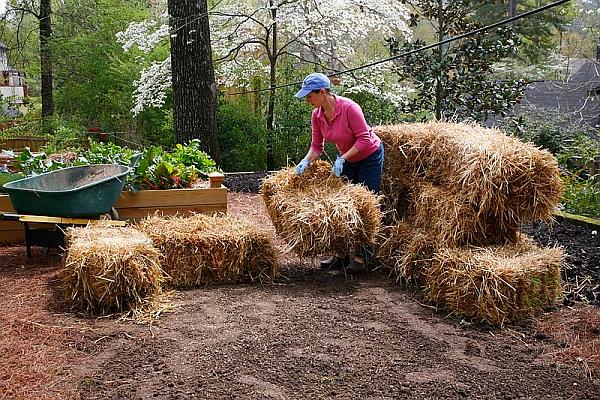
{"type": "Point", "coordinates": [190, 155]}
{"type": "Point", "coordinates": [106, 153]}
{"type": "Point", "coordinates": [152, 168]}
{"type": "Point", "coordinates": [580, 160]}
{"type": "Point", "coordinates": [35, 164]}
{"type": "Point", "coordinates": [6, 177]}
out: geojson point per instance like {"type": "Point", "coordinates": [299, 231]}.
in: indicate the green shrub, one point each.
{"type": "Point", "coordinates": [156, 126]}
{"type": "Point", "coordinates": [581, 196]}
{"type": "Point", "coordinates": [242, 137]}
{"type": "Point", "coordinates": [377, 111]}
{"type": "Point", "coordinates": [580, 160]}
{"type": "Point", "coordinates": [292, 134]}
{"type": "Point", "coordinates": [66, 138]}
{"type": "Point", "coordinates": [581, 156]}
{"type": "Point", "coordinates": [546, 128]}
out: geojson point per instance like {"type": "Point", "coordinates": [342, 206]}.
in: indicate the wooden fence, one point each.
{"type": "Point", "coordinates": [21, 142]}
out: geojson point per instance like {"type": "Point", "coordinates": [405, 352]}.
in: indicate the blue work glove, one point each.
{"type": "Point", "coordinates": [338, 167]}
{"type": "Point", "coordinates": [300, 168]}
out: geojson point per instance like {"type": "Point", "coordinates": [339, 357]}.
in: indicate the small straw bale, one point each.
{"type": "Point", "coordinates": [109, 270]}
{"type": "Point", "coordinates": [407, 252]}
{"type": "Point", "coordinates": [211, 249]}
{"type": "Point", "coordinates": [317, 213]}
{"type": "Point", "coordinates": [286, 181]}
{"type": "Point", "coordinates": [496, 284]}
{"type": "Point", "coordinates": [504, 178]}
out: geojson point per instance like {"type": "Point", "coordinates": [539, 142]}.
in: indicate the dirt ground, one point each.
{"type": "Point", "coordinates": [308, 335]}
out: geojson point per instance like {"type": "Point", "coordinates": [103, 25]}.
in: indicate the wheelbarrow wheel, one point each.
{"type": "Point", "coordinates": [114, 214]}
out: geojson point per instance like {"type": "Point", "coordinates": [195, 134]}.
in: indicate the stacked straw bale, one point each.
{"type": "Point", "coordinates": [496, 284]}
{"type": "Point", "coordinates": [108, 269]}
{"type": "Point", "coordinates": [450, 187]}
{"type": "Point", "coordinates": [407, 250]}
{"type": "Point", "coordinates": [501, 177]}
{"type": "Point", "coordinates": [464, 185]}
{"type": "Point", "coordinates": [317, 213]}
{"type": "Point", "coordinates": [211, 249]}
{"type": "Point", "coordinates": [451, 219]}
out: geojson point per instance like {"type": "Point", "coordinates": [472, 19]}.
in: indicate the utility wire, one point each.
{"type": "Point", "coordinates": [429, 46]}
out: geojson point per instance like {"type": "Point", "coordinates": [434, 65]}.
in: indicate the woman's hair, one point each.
{"type": "Point", "coordinates": [318, 90]}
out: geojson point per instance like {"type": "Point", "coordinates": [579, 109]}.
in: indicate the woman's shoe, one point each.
{"type": "Point", "coordinates": [357, 267]}
{"type": "Point", "coordinates": [333, 263]}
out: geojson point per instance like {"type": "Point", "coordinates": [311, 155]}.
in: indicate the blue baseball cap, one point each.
{"type": "Point", "coordinates": [314, 81]}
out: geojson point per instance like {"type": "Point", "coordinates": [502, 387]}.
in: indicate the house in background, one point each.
{"type": "Point", "coordinates": [12, 85]}
{"type": "Point", "coordinates": [577, 95]}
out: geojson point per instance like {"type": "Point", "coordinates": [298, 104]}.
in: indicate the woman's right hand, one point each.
{"type": "Point", "coordinates": [300, 168]}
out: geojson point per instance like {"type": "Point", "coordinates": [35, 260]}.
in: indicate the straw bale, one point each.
{"type": "Point", "coordinates": [504, 178]}
{"type": "Point", "coordinates": [318, 174]}
{"type": "Point", "coordinates": [317, 213]}
{"type": "Point", "coordinates": [211, 249]}
{"type": "Point", "coordinates": [108, 269]}
{"type": "Point", "coordinates": [496, 284]}
{"type": "Point", "coordinates": [452, 219]}
{"type": "Point", "coordinates": [407, 252]}
{"type": "Point", "coordinates": [396, 200]}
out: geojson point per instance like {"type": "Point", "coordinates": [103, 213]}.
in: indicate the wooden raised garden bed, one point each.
{"type": "Point", "coordinates": [133, 206]}
{"type": "Point", "coordinates": [10, 232]}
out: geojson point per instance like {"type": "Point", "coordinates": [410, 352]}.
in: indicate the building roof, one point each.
{"type": "Point", "coordinates": [578, 95]}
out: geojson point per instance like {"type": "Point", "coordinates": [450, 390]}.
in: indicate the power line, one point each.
{"type": "Point", "coordinates": [427, 47]}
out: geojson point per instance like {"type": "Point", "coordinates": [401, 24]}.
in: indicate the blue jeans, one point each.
{"type": "Point", "coordinates": [366, 171]}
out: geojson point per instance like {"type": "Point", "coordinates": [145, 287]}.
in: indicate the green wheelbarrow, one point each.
{"type": "Point", "coordinates": [85, 191]}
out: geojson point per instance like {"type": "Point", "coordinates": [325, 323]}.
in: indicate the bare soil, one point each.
{"type": "Point", "coordinates": [308, 335]}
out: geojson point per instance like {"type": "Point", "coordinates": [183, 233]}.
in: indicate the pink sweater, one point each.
{"type": "Point", "coordinates": [348, 128]}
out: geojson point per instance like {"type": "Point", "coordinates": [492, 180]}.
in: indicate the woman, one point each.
{"type": "Point", "coordinates": [340, 121]}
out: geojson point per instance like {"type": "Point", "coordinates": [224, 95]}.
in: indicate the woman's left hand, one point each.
{"type": "Point", "coordinates": [338, 166]}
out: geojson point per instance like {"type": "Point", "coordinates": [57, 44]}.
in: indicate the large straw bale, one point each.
{"type": "Point", "coordinates": [317, 213]}
{"type": "Point", "coordinates": [502, 177]}
{"type": "Point", "coordinates": [452, 219]}
{"type": "Point", "coordinates": [211, 249]}
{"type": "Point", "coordinates": [108, 269]}
{"type": "Point", "coordinates": [496, 284]}
{"type": "Point", "coordinates": [396, 201]}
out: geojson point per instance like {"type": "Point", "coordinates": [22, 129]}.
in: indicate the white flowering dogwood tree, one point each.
{"type": "Point", "coordinates": [250, 38]}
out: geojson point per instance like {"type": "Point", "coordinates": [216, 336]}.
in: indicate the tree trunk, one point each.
{"type": "Point", "coordinates": [512, 8]}
{"type": "Point", "coordinates": [193, 75]}
{"type": "Point", "coordinates": [273, 82]}
{"type": "Point", "coordinates": [45, 24]}
{"type": "Point", "coordinates": [438, 83]}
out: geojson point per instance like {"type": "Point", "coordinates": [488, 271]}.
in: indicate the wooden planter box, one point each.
{"type": "Point", "coordinates": [134, 206]}
{"type": "Point", "coordinates": [10, 232]}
